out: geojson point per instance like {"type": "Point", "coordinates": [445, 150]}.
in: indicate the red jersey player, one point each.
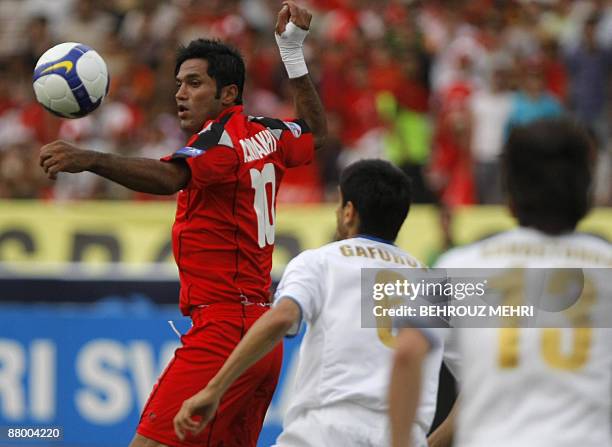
{"type": "Point", "coordinates": [228, 174]}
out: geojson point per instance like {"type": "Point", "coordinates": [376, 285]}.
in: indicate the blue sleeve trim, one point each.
{"type": "Point", "coordinates": [188, 152]}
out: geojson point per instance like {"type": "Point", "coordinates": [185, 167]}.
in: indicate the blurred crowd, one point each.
{"type": "Point", "coordinates": [434, 85]}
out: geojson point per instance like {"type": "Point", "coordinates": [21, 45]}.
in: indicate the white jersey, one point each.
{"type": "Point", "coordinates": [341, 363]}
{"type": "Point", "coordinates": [536, 387]}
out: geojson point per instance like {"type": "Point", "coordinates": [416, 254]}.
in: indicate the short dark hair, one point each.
{"type": "Point", "coordinates": [548, 169]}
{"type": "Point", "coordinates": [225, 63]}
{"type": "Point", "coordinates": [381, 193]}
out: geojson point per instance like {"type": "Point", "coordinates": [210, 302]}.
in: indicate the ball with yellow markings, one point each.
{"type": "Point", "coordinates": [70, 80]}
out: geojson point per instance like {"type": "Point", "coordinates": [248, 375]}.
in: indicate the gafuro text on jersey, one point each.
{"type": "Point", "coordinates": [377, 253]}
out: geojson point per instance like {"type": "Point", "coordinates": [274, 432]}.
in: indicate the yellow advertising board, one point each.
{"type": "Point", "coordinates": [137, 234]}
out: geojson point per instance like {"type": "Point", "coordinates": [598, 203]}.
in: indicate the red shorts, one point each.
{"type": "Point", "coordinates": [216, 330]}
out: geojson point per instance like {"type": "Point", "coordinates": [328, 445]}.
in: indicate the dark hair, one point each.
{"type": "Point", "coordinates": [225, 63]}
{"type": "Point", "coordinates": [381, 194]}
{"type": "Point", "coordinates": [547, 169]}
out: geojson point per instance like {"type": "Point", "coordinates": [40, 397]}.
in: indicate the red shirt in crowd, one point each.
{"type": "Point", "coordinates": [223, 234]}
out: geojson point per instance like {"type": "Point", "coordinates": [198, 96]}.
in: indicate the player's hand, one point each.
{"type": "Point", "coordinates": [203, 404]}
{"type": "Point", "coordinates": [61, 156]}
{"type": "Point", "coordinates": [290, 11]}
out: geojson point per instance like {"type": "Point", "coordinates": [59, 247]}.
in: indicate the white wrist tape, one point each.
{"type": "Point", "coordinates": [291, 52]}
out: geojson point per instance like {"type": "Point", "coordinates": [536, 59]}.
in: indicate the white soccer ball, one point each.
{"type": "Point", "coordinates": [70, 80]}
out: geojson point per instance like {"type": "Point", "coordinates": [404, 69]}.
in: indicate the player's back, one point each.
{"type": "Point", "coordinates": [539, 387]}
{"type": "Point", "coordinates": [341, 361]}
{"type": "Point", "coordinates": [223, 235]}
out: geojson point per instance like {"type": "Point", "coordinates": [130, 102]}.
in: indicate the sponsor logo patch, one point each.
{"type": "Point", "coordinates": [295, 128]}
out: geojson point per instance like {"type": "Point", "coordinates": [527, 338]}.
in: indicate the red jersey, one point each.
{"type": "Point", "coordinates": [223, 234]}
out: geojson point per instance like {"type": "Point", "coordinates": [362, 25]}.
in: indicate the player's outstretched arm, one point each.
{"type": "Point", "coordinates": [139, 174]}
{"type": "Point", "coordinates": [405, 385]}
{"type": "Point", "coordinates": [263, 336]}
{"type": "Point", "coordinates": [292, 26]}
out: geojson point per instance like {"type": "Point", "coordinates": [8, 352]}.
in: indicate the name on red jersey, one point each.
{"type": "Point", "coordinates": [258, 146]}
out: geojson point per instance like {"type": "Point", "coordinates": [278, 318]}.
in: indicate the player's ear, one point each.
{"type": "Point", "coordinates": [229, 94]}
{"type": "Point", "coordinates": [349, 214]}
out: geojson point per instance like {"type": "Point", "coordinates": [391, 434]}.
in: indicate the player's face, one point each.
{"type": "Point", "coordinates": [195, 95]}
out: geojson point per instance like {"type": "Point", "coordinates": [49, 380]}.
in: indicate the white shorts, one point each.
{"type": "Point", "coordinates": [337, 425]}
